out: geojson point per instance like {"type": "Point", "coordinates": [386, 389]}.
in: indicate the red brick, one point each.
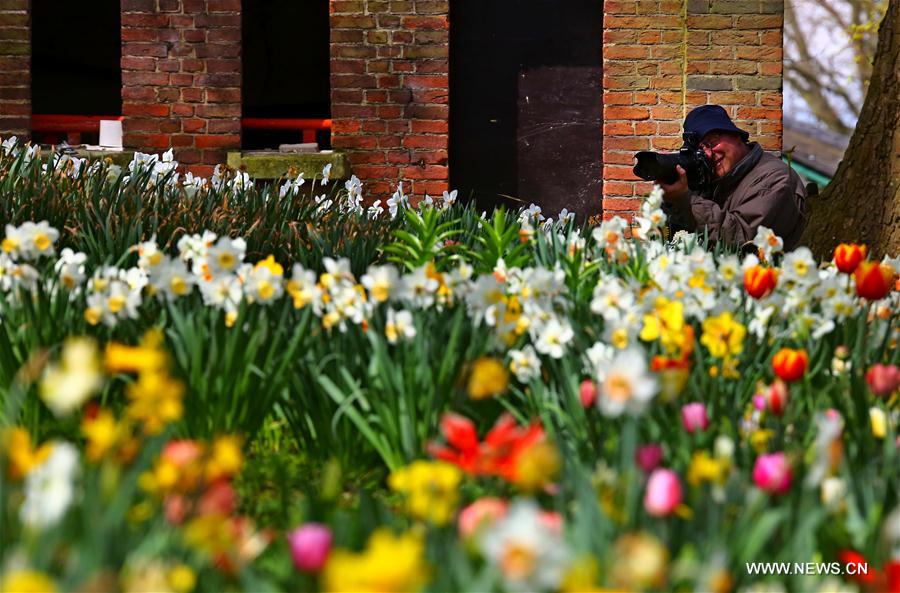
{"type": "Point", "coordinates": [223, 141]}
{"type": "Point", "coordinates": [148, 109]}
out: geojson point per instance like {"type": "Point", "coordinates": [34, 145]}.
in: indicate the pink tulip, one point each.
{"type": "Point", "coordinates": [648, 457]}
{"type": "Point", "coordinates": [883, 379]}
{"type": "Point", "coordinates": [772, 473]}
{"type": "Point", "coordinates": [663, 493]}
{"type": "Point", "coordinates": [483, 511]}
{"type": "Point", "coordinates": [587, 393]}
{"type": "Point", "coordinates": [310, 545]}
{"type": "Point", "coordinates": [693, 416]}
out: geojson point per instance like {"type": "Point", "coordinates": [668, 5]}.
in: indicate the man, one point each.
{"type": "Point", "coordinates": [751, 187]}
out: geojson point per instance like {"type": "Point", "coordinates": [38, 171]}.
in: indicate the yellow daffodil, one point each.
{"type": "Point", "coordinates": [488, 378]}
{"type": "Point", "coordinates": [21, 454]}
{"type": "Point", "coordinates": [390, 563]}
{"type": "Point", "coordinates": [430, 488]}
{"type": "Point", "coordinates": [27, 581]}
{"type": "Point", "coordinates": [723, 336]}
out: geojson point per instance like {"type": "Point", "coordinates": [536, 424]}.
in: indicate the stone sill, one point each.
{"type": "Point", "coordinates": [271, 164]}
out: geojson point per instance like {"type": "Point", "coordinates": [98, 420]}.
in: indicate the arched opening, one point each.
{"type": "Point", "coordinates": [76, 77]}
{"type": "Point", "coordinates": [286, 73]}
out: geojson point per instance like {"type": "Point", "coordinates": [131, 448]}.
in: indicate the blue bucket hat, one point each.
{"type": "Point", "coordinates": [707, 118]}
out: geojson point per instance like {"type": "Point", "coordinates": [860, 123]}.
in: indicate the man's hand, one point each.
{"type": "Point", "coordinates": [677, 191]}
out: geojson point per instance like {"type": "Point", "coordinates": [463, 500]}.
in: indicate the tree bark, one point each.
{"type": "Point", "coordinates": [862, 203]}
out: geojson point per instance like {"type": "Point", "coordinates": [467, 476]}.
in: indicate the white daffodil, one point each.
{"type": "Point", "coordinates": [767, 243]}
{"type": "Point", "coordinates": [66, 385]}
{"type": "Point", "coordinates": [381, 282]}
{"type": "Point", "coordinates": [226, 255]}
{"type": "Point", "coordinates": [171, 279]}
{"type": "Point", "coordinates": [397, 200]}
{"type": "Point", "coordinates": [553, 338]}
{"type": "Point", "coordinates": [399, 326]}
{"type": "Point", "coordinates": [326, 173]}
{"type": "Point", "coordinates": [70, 268]}
{"type": "Point", "coordinates": [529, 554]}
{"type": "Point", "coordinates": [449, 198]}
{"type": "Point", "coordinates": [49, 488]}
{"type": "Point", "coordinates": [265, 282]}
{"type": "Point", "coordinates": [525, 364]}
{"type": "Point", "coordinates": [627, 386]}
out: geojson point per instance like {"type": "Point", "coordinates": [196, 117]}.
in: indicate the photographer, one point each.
{"type": "Point", "coordinates": [748, 187]}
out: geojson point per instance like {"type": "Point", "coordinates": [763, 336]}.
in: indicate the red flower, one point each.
{"type": "Point", "coordinates": [847, 256]}
{"type": "Point", "coordinates": [863, 576]}
{"type": "Point", "coordinates": [790, 364]}
{"type": "Point", "coordinates": [495, 456]}
{"type": "Point", "coordinates": [873, 280]}
{"type": "Point", "coordinates": [760, 281]}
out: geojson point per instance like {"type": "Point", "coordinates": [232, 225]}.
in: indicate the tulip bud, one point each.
{"type": "Point", "coordinates": [847, 256]}
{"type": "Point", "coordinates": [310, 545]}
{"type": "Point", "coordinates": [883, 379]}
{"type": "Point", "coordinates": [648, 457]}
{"type": "Point", "coordinates": [587, 393]}
{"type": "Point", "coordinates": [873, 280]}
{"type": "Point", "coordinates": [775, 397]}
{"type": "Point", "coordinates": [790, 364]}
{"type": "Point", "coordinates": [663, 493]}
{"type": "Point", "coordinates": [772, 473]}
{"type": "Point", "coordinates": [760, 281]}
{"type": "Point", "coordinates": [482, 512]}
{"type": "Point", "coordinates": [694, 418]}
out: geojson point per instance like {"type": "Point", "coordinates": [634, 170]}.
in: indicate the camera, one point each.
{"type": "Point", "coordinates": [657, 166]}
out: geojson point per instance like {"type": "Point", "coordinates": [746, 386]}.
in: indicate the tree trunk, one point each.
{"type": "Point", "coordinates": [862, 203]}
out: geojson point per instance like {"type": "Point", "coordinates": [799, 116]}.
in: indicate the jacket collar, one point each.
{"type": "Point", "coordinates": [739, 171]}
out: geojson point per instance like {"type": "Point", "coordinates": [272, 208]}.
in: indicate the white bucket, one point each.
{"type": "Point", "coordinates": [110, 133]}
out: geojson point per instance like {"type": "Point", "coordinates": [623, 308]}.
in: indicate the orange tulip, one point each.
{"type": "Point", "coordinates": [873, 280]}
{"type": "Point", "coordinates": [848, 255]}
{"type": "Point", "coordinates": [790, 364]}
{"type": "Point", "coordinates": [760, 281]}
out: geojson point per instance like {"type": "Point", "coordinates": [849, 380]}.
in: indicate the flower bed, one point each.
{"type": "Point", "coordinates": [210, 385]}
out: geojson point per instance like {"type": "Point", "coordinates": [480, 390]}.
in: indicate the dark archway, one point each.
{"type": "Point", "coordinates": [76, 53]}
{"type": "Point", "coordinates": [286, 69]}
{"type": "Point", "coordinates": [526, 102]}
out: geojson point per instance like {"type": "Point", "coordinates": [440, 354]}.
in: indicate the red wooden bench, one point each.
{"type": "Point", "coordinates": [53, 128]}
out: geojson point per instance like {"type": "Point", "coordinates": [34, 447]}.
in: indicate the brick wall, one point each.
{"type": "Point", "coordinates": [662, 58]}
{"type": "Point", "coordinates": [181, 78]}
{"type": "Point", "coordinates": [390, 91]}
{"type": "Point", "coordinates": [15, 69]}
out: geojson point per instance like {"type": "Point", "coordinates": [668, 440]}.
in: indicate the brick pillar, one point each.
{"type": "Point", "coordinates": [662, 58]}
{"type": "Point", "coordinates": [181, 78]}
{"type": "Point", "coordinates": [15, 69]}
{"type": "Point", "coordinates": [390, 90]}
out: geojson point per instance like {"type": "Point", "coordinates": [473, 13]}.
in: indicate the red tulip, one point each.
{"type": "Point", "coordinates": [790, 364]}
{"type": "Point", "coordinates": [587, 393]}
{"type": "Point", "coordinates": [873, 280]}
{"type": "Point", "coordinates": [847, 256]}
{"type": "Point", "coordinates": [775, 397]}
{"type": "Point", "coordinates": [760, 281]}
{"type": "Point", "coordinates": [858, 560]}
{"type": "Point", "coordinates": [883, 379]}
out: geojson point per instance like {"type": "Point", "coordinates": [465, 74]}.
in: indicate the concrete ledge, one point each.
{"type": "Point", "coordinates": [266, 164]}
{"type": "Point", "coordinates": [118, 157]}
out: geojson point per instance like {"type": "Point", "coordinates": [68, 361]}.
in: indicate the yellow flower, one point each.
{"type": "Point", "coordinates": [92, 315]}
{"type": "Point", "coordinates": [878, 420]}
{"type": "Point", "coordinates": [120, 358]}
{"type": "Point", "coordinates": [182, 578]}
{"type": "Point", "coordinates": [270, 264]}
{"type": "Point", "coordinates": [155, 400]}
{"type": "Point", "coordinates": [641, 561]}
{"type": "Point", "coordinates": [581, 576]}
{"type": "Point", "coordinates": [536, 466]}
{"type": "Point", "coordinates": [23, 457]}
{"type": "Point", "coordinates": [723, 336]}
{"type": "Point", "coordinates": [488, 378]}
{"type": "Point", "coordinates": [759, 439]}
{"type": "Point", "coordinates": [225, 459]}
{"type": "Point", "coordinates": [430, 488]}
{"type": "Point", "coordinates": [102, 432]}
{"type": "Point", "coordinates": [666, 324]}
{"type": "Point", "coordinates": [211, 533]}
{"type": "Point", "coordinates": [388, 564]}
{"type": "Point", "coordinates": [704, 468]}
{"type": "Point", "coordinates": [27, 581]}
